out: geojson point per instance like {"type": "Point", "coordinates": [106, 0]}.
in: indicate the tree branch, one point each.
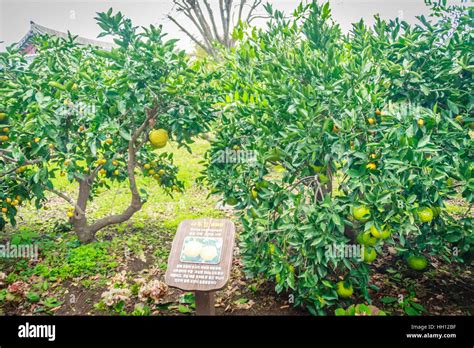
{"type": "Point", "coordinates": [26, 163]}
{"type": "Point", "coordinates": [136, 202]}
{"type": "Point", "coordinates": [213, 22]}
{"type": "Point", "coordinates": [191, 36]}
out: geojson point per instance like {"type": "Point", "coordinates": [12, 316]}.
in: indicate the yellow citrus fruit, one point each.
{"type": "Point", "coordinates": [4, 210]}
{"type": "Point", "coordinates": [116, 172]}
{"type": "Point", "coordinates": [316, 168]}
{"type": "Point", "coordinates": [161, 172]}
{"type": "Point", "coordinates": [158, 138]}
{"type": "Point", "coordinates": [386, 233]}
{"type": "Point", "coordinates": [109, 141]}
{"type": "Point", "coordinates": [371, 120]}
{"type": "Point", "coordinates": [420, 122]}
{"type": "Point", "coordinates": [380, 234]}
{"type": "Point", "coordinates": [2, 116]}
{"type": "Point", "coordinates": [365, 238]}
{"type": "Point", "coordinates": [232, 201]}
{"type": "Point", "coordinates": [371, 166]}
{"type": "Point", "coordinates": [343, 291]}
{"type": "Point", "coordinates": [459, 118]}
{"type": "Point", "coordinates": [324, 179]}
{"type": "Point", "coordinates": [37, 140]}
{"type": "Point", "coordinates": [70, 214]}
{"type": "Point", "coordinates": [271, 248]}
{"type": "Point", "coordinates": [147, 166]}
{"type": "Point", "coordinates": [103, 171]}
{"type": "Point", "coordinates": [4, 138]}
{"type": "Point", "coordinates": [8, 200]}
{"type": "Point", "coordinates": [254, 213]}
{"type": "Point", "coordinates": [115, 163]}
{"type": "Point", "coordinates": [6, 130]}
{"type": "Point", "coordinates": [425, 214]}
{"type": "Point", "coordinates": [369, 255]}
{"type": "Point", "coordinates": [417, 263]}
{"type": "Point", "coordinates": [378, 112]}
{"type": "Point", "coordinates": [361, 213]}
{"type": "Point", "coordinates": [151, 172]}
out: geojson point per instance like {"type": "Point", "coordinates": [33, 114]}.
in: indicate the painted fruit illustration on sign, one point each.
{"type": "Point", "coordinates": [201, 250]}
{"type": "Point", "coordinates": [192, 249]}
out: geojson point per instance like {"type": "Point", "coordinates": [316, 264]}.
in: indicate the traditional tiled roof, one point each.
{"type": "Point", "coordinates": [39, 29]}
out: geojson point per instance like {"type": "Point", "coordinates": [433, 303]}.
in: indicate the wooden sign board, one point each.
{"type": "Point", "coordinates": [201, 255]}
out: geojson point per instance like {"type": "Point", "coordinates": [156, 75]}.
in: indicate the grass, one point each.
{"type": "Point", "coordinates": [168, 210]}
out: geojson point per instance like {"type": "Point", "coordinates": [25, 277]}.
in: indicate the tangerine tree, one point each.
{"type": "Point", "coordinates": [358, 142]}
{"type": "Point", "coordinates": [88, 115]}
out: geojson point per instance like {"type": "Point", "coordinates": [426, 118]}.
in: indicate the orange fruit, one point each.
{"type": "Point", "coordinates": [361, 213]}
{"type": "Point", "coordinates": [371, 166]}
{"type": "Point", "coordinates": [343, 291]}
{"type": "Point", "coordinates": [425, 214]}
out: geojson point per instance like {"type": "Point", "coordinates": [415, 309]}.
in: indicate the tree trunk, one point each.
{"type": "Point", "coordinates": [79, 221]}
{"type": "Point", "coordinates": [86, 232]}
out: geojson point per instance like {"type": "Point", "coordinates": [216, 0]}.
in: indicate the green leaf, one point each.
{"type": "Point", "coordinates": [423, 141]}
{"type": "Point", "coordinates": [124, 134]}
{"type": "Point", "coordinates": [388, 299]}
{"type": "Point", "coordinates": [184, 309]}
{"type": "Point", "coordinates": [453, 107]}
{"type": "Point", "coordinates": [33, 297]}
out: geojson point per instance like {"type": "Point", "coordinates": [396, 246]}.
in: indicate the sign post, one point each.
{"type": "Point", "coordinates": [201, 260]}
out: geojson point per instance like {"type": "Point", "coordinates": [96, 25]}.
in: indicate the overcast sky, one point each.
{"type": "Point", "coordinates": [78, 16]}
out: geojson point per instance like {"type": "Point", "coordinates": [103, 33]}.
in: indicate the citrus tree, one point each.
{"type": "Point", "coordinates": [95, 117]}
{"type": "Point", "coordinates": [357, 140]}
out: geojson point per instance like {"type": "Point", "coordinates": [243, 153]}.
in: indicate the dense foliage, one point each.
{"type": "Point", "coordinates": [358, 139]}
{"type": "Point", "coordinates": [84, 113]}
